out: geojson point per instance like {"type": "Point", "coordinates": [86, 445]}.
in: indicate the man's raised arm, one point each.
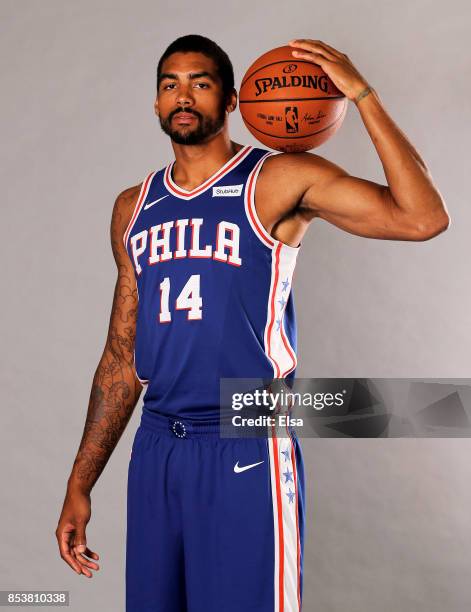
{"type": "Point", "coordinates": [114, 394]}
{"type": "Point", "coordinates": [409, 207]}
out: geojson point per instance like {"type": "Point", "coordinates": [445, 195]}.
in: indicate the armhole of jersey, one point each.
{"type": "Point", "coordinates": [251, 212]}
{"type": "Point", "coordinates": [277, 345]}
{"type": "Point", "coordinates": [140, 201]}
{"type": "Point", "coordinates": [249, 204]}
{"type": "Point", "coordinates": [144, 382]}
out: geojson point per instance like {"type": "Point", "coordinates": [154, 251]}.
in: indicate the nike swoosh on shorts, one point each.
{"type": "Point", "coordinates": [238, 469]}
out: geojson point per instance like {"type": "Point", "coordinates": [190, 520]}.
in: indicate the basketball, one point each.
{"type": "Point", "coordinates": [290, 104]}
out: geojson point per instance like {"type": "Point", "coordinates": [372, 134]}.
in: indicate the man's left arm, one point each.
{"type": "Point", "coordinates": [409, 207]}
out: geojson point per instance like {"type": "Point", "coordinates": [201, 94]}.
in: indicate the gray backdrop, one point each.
{"type": "Point", "coordinates": [388, 520]}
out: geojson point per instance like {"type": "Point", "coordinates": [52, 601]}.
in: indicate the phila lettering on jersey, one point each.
{"type": "Point", "coordinates": [215, 297]}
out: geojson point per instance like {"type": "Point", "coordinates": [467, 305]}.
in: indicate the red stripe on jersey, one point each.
{"type": "Point", "coordinates": [298, 540]}
{"type": "Point", "coordinates": [281, 555]}
{"type": "Point", "coordinates": [288, 348]}
{"type": "Point", "coordinates": [251, 201]}
{"type": "Point", "coordinates": [142, 195]}
{"type": "Point", "coordinates": [272, 308]}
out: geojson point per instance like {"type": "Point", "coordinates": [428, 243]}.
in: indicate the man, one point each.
{"type": "Point", "coordinates": [205, 250]}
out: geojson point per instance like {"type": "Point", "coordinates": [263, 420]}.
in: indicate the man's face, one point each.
{"type": "Point", "coordinates": [189, 101]}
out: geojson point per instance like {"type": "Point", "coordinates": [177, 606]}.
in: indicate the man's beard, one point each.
{"type": "Point", "coordinates": [206, 126]}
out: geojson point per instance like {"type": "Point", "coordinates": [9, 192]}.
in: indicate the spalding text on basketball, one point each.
{"type": "Point", "coordinates": [319, 82]}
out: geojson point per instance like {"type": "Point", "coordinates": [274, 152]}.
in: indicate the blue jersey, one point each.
{"type": "Point", "coordinates": [214, 288]}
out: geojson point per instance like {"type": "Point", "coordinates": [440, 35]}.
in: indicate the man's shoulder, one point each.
{"type": "Point", "coordinates": [126, 201]}
{"type": "Point", "coordinates": [281, 160]}
{"type": "Point", "coordinates": [293, 170]}
{"type": "Point", "coordinates": [123, 211]}
{"type": "Point", "coordinates": [128, 195]}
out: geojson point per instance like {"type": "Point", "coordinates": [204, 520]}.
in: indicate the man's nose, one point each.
{"type": "Point", "coordinates": [185, 96]}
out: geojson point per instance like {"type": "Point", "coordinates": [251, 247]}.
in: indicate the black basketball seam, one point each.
{"type": "Point", "coordinates": [298, 137]}
{"type": "Point", "coordinates": [292, 99]}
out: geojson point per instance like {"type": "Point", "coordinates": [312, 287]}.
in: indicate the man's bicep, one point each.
{"type": "Point", "coordinates": [356, 205]}
{"type": "Point", "coordinates": [322, 188]}
{"type": "Point", "coordinates": [348, 198]}
{"type": "Point", "coordinates": [330, 190]}
{"type": "Point", "coordinates": [122, 326]}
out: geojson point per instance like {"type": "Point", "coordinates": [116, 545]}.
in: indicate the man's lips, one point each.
{"type": "Point", "coordinates": [184, 117]}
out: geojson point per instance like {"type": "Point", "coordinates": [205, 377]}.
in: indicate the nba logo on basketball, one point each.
{"type": "Point", "coordinates": [291, 119]}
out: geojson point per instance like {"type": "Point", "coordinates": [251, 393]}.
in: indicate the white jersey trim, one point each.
{"type": "Point", "coordinates": [185, 194]}
{"type": "Point", "coordinates": [251, 211]}
{"type": "Point", "coordinates": [249, 204]}
{"type": "Point", "coordinates": [286, 586]}
{"type": "Point", "coordinates": [143, 381]}
{"type": "Point", "coordinates": [277, 345]}
{"type": "Point", "coordinates": [140, 201]}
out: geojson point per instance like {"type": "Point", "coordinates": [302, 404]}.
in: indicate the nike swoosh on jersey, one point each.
{"type": "Point", "coordinates": [149, 204]}
{"type": "Point", "coordinates": [238, 469]}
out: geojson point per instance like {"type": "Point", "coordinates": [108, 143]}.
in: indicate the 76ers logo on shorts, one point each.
{"type": "Point", "coordinates": [291, 119]}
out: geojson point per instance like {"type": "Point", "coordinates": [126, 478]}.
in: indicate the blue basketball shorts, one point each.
{"type": "Point", "coordinates": [213, 524]}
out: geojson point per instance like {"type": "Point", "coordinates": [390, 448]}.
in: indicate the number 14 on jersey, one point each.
{"type": "Point", "coordinates": [189, 299]}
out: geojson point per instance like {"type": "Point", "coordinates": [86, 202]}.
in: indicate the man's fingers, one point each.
{"type": "Point", "coordinates": [316, 46]}
{"type": "Point", "coordinates": [73, 546]}
{"type": "Point", "coordinates": [332, 50]}
{"type": "Point", "coordinates": [83, 569]}
{"type": "Point", "coordinates": [316, 58]}
{"type": "Point", "coordinates": [80, 539]}
{"type": "Point", "coordinates": [65, 552]}
{"type": "Point", "coordinates": [90, 553]}
{"type": "Point", "coordinates": [82, 556]}
{"type": "Point", "coordinates": [84, 561]}
{"type": "Point", "coordinates": [77, 545]}
{"type": "Point", "coordinates": [70, 560]}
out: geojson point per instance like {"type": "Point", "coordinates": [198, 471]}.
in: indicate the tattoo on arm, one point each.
{"type": "Point", "coordinates": [116, 388]}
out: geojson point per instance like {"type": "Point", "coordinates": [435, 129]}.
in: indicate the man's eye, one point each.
{"type": "Point", "coordinates": [202, 84]}
{"type": "Point", "coordinates": [169, 85]}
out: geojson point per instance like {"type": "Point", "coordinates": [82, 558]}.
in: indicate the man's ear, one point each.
{"type": "Point", "coordinates": [232, 102]}
{"type": "Point", "coordinates": [156, 106]}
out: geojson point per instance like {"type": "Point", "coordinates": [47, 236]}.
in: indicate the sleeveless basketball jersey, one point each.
{"type": "Point", "coordinates": [214, 289]}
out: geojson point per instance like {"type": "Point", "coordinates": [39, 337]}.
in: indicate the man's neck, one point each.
{"type": "Point", "coordinates": [194, 164]}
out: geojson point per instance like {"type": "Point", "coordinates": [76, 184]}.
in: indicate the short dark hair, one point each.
{"type": "Point", "coordinates": [206, 46]}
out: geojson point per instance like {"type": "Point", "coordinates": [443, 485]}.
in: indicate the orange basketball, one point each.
{"type": "Point", "coordinates": [290, 104]}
